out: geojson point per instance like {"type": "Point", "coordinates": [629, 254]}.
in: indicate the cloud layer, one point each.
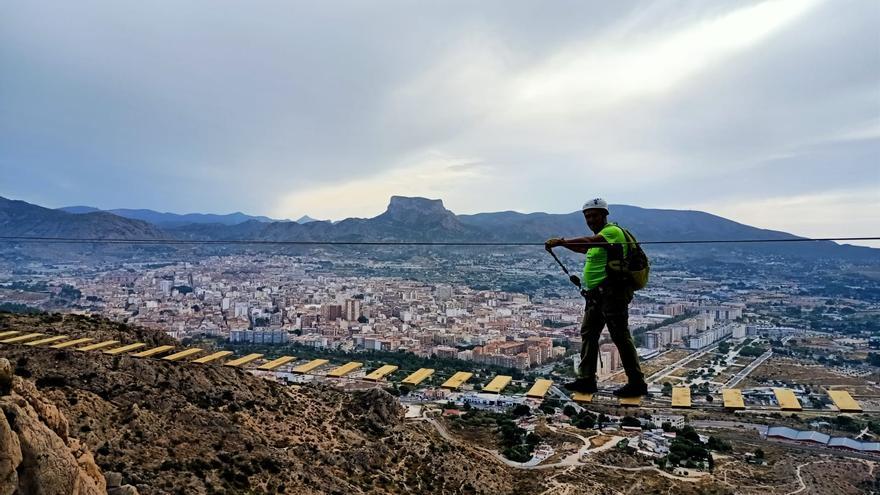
{"type": "Point", "coordinates": [764, 112]}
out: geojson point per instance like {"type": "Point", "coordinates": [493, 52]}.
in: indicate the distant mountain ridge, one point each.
{"type": "Point", "coordinates": [18, 218]}
{"type": "Point", "coordinates": [166, 219]}
{"type": "Point", "coordinates": [427, 220]}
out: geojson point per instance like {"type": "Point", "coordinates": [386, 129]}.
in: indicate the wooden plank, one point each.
{"type": "Point", "coordinates": [457, 380]}
{"type": "Point", "coordinates": [47, 340]}
{"type": "Point", "coordinates": [733, 398]}
{"type": "Point", "coordinates": [125, 348]}
{"type": "Point", "coordinates": [345, 369]}
{"type": "Point", "coordinates": [99, 345]}
{"type": "Point", "coordinates": [418, 377]}
{"type": "Point", "coordinates": [844, 401]}
{"type": "Point", "coordinates": [235, 363]}
{"type": "Point", "coordinates": [540, 388]}
{"type": "Point", "coordinates": [681, 397]}
{"type": "Point", "coordinates": [582, 398]}
{"type": "Point", "coordinates": [309, 367]}
{"type": "Point", "coordinates": [212, 357]}
{"type": "Point", "coordinates": [497, 384]}
{"type": "Point", "coordinates": [71, 343]}
{"type": "Point", "coordinates": [381, 373]}
{"type": "Point", "coordinates": [21, 338]}
{"type": "Point", "coordinates": [787, 400]}
{"type": "Point", "coordinates": [153, 351]}
{"type": "Point", "coordinates": [182, 354]}
{"type": "Point", "coordinates": [276, 363]}
{"type": "Point", "coordinates": [8, 333]}
{"type": "Point", "coordinates": [629, 401]}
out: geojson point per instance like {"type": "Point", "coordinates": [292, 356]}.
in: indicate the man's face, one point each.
{"type": "Point", "coordinates": [595, 219]}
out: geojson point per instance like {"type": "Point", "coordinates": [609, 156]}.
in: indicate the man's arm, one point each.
{"type": "Point", "coordinates": [577, 244]}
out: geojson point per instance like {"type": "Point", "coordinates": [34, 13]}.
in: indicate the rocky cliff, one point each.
{"type": "Point", "coordinates": [37, 453]}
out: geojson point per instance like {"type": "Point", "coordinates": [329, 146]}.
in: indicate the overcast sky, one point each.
{"type": "Point", "coordinates": [764, 112]}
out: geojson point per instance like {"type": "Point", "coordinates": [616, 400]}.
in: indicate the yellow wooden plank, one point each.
{"type": "Point", "coordinates": [787, 400]}
{"type": "Point", "coordinates": [540, 388]}
{"type": "Point", "coordinates": [418, 377]}
{"type": "Point", "coordinates": [844, 401]}
{"type": "Point", "coordinates": [310, 366]}
{"type": "Point", "coordinates": [99, 345]}
{"type": "Point", "coordinates": [276, 363]}
{"type": "Point", "coordinates": [153, 351]}
{"type": "Point", "coordinates": [497, 384]}
{"type": "Point", "coordinates": [182, 354]}
{"type": "Point", "coordinates": [71, 343]}
{"type": "Point", "coordinates": [582, 398]}
{"type": "Point", "coordinates": [457, 380]}
{"type": "Point", "coordinates": [629, 401]}
{"type": "Point", "coordinates": [8, 333]}
{"type": "Point", "coordinates": [47, 340]}
{"type": "Point", "coordinates": [733, 398]}
{"type": "Point", "coordinates": [212, 357]}
{"type": "Point", "coordinates": [681, 397]}
{"type": "Point", "coordinates": [125, 348]}
{"type": "Point", "coordinates": [381, 373]}
{"type": "Point", "coordinates": [345, 369]}
{"type": "Point", "coordinates": [235, 363]}
{"type": "Point", "coordinates": [21, 338]}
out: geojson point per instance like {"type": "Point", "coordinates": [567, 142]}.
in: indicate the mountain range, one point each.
{"type": "Point", "coordinates": [175, 219]}
{"type": "Point", "coordinates": [18, 218]}
{"type": "Point", "coordinates": [407, 219]}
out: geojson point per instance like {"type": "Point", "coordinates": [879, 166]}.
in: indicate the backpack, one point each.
{"type": "Point", "coordinates": [633, 269]}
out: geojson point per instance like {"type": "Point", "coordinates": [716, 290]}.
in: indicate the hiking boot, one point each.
{"type": "Point", "coordinates": [632, 390]}
{"type": "Point", "coordinates": [582, 385]}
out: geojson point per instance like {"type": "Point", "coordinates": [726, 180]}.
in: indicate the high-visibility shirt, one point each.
{"type": "Point", "coordinates": [597, 257]}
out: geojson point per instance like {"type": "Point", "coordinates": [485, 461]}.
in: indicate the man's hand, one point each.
{"type": "Point", "coordinates": [553, 242]}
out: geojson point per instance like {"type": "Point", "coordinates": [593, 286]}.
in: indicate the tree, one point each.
{"type": "Point", "coordinates": [533, 439]}
{"type": "Point", "coordinates": [759, 454]}
{"type": "Point", "coordinates": [569, 411]}
{"type": "Point", "coordinates": [520, 410]}
{"type": "Point", "coordinates": [715, 443]}
{"type": "Point", "coordinates": [667, 389]}
{"type": "Point", "coordinates": [630, 421]}
{"type": "Point", "coordinates": [517, 453]}
{"type": "Point", "coordinates": [583, 421]}
{"type": "Point", "coordinates": [689, 433]}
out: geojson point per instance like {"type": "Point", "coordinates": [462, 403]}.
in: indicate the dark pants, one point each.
{"type": "Point", "coordinates": [608, 305]}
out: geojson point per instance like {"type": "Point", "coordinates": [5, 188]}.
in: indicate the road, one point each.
{"type": "Point", "coordinates": [743, 373]}
{"type": "Point", "coordinates": [762, 429]}
{"type": "Point", "coordinates": [681, 362]}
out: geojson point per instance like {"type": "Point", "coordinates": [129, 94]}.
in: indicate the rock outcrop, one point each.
{"type": "Point", "coordinates": [36, 454]}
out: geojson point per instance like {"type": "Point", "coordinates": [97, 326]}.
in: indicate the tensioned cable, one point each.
{"type": "Point", "coordinates": [98, 240]}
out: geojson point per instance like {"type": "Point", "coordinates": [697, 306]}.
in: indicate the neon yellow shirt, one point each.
{"type": "Point", "coordinates": [597, 257]}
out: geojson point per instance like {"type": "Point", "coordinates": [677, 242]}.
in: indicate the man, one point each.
{"type": "Point", "coordinates": [607, 303]}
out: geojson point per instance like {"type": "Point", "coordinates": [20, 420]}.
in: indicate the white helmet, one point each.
{"type": "Point", "coordinates": [596, 204]}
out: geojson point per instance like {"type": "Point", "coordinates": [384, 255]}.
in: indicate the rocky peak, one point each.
{"type": "Point", "coordinates": [421, 210]}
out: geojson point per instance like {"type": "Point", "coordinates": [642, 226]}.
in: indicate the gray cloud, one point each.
{"type": "Point", "coordinates": [279, 108]}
